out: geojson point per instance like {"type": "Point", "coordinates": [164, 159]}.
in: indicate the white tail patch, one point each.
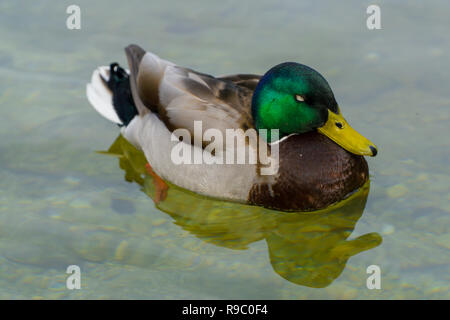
{"type": "Point", "coordinates": [100, 96]}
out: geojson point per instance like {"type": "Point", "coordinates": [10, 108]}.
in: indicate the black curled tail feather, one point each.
{"type": "Point", "coordinates": [122, 99]}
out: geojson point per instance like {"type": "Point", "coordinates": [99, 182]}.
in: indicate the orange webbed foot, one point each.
{"type": "Point", "coordinates": [160, 186]}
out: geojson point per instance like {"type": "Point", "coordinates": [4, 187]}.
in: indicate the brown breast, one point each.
{"type": "Point", "coordinates": [314, 173]}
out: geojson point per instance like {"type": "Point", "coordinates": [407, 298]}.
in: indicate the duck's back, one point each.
{"type": "Point", "coordinates": [181, 95]}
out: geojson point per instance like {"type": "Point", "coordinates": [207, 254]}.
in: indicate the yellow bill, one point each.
{"type": "Point", "coordinates": [338, 130]}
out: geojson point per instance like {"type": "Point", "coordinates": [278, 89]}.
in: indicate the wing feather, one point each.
{"type": "Point", "coordinates": [181, 96]}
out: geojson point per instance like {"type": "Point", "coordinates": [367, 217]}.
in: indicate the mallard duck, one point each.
{"type": "Point", "coordinates": [304, 248]}
{"type": "Point", "coordinates": [320, 159]}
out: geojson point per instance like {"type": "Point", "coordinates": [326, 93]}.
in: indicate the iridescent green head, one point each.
{"type": "Point", "coordinates": [295, 98]}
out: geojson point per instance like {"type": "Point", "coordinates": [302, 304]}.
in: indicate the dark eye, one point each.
{"type": "Point", "coordinates": [299, 98]}
{"type": "Point", "coordinates": [339, 125]}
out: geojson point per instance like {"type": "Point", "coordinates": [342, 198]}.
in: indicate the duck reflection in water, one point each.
{"type": "Point", "coordinates": [309, 249]}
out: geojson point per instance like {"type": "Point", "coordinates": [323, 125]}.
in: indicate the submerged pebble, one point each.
{"type": "Point", "coordinates": [123, 206]}
{"type": "Point", "coordinates": [396, 191]}
{"type": "Point", "coordinates": [121, 251]}
{"type": "Point", "coordinates": [159, 233]}
{"type": "Point", "coordinates": [372, 56]}
{"type": "Point", "coordinates": [71, 181]}
{"type": "Point", "coordinates": [388, 229]}
{"type": "Point", "coordinates": [422, 177]}
{"type": "Point", "coordinates": [80, 204]}
{"type": "Point", "coordinates": [443, 240]}
{"type": "Point", "coordinates": [158, 222]}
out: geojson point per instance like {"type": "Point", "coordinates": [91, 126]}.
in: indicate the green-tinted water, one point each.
{"type": "Point", "coordinates": [61, 203]}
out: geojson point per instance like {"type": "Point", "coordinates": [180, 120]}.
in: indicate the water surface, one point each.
{"type": "Point", "coordinates": [62, 203]}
